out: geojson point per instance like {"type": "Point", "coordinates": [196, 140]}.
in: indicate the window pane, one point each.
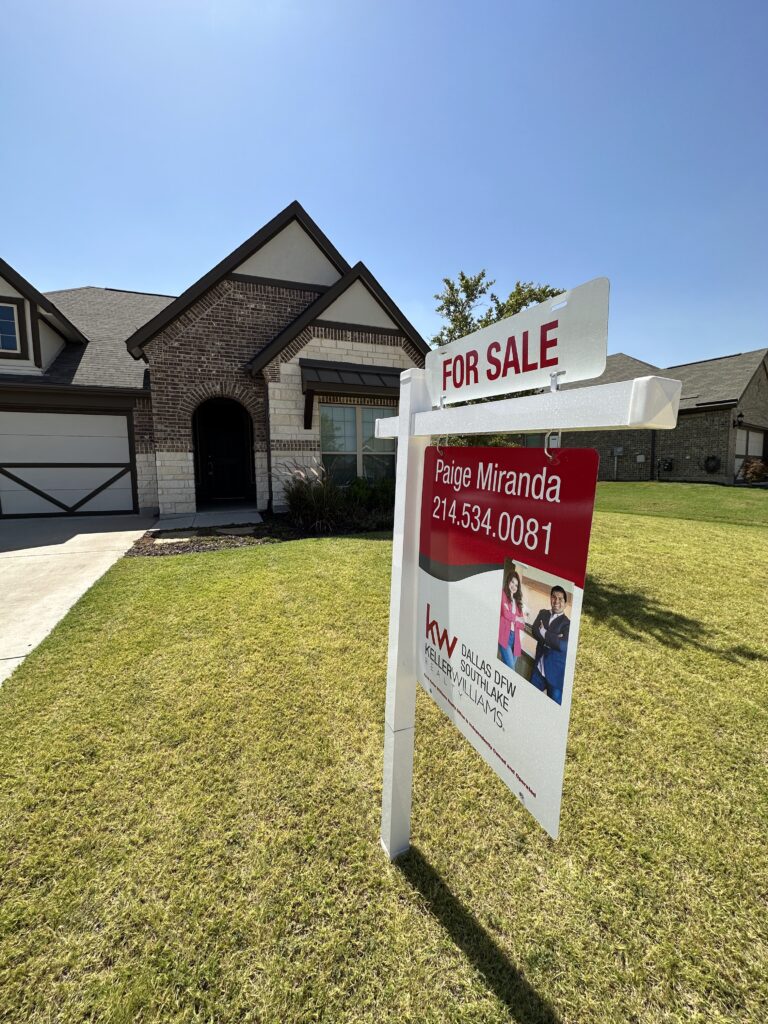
{"type": "Point", "coordinates": [755, 442]}
{"type": "Point", "coordinates": [741, 442]}
{"type": "Point", "coordinates": [371, 443]}
{"type": "Point", "coordinates": [534, 440]}
{"type": "Point", "coordinates": [342, 469]}
{"type": "Point", "coordinates": [9, 340]}
{"type": "Point", "coordinates": [337, 428]}
{"type": "Point", "coordinates": [379, 467]}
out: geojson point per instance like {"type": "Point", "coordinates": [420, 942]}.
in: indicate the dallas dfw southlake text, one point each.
{"type": "Point", "coordinates": [476, 679]}
{"type": "Point", "coordinates": [502, 525]}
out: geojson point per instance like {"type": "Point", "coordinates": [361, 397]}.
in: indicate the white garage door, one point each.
{"type": "Point", "coordinates": [62, 463]}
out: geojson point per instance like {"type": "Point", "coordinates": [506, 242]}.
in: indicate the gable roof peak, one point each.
{"type": "Point", "coordinates": [293, 212]}
{"type": "Point", "coordinates": [315, 312]}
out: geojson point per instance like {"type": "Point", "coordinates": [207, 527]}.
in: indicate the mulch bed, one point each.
{"type": "Point", "coordinates": [274, 530]}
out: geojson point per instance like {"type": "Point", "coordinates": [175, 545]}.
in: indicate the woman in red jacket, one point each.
{"type": "Point", "coordinates": [514, 615]}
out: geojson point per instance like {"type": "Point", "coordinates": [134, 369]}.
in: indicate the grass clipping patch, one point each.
{"type": "Point", "coordinates": [191, 775]}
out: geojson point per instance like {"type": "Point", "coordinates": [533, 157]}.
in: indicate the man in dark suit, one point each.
{"type": "Point", "coordinates": [550, 630]}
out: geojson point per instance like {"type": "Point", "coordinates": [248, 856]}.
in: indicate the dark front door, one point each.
{"type": "Point", "coordinates": [223, 452]}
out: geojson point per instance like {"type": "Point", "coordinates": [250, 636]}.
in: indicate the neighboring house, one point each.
{"type": "Point", "coordinates": [116, 401]}
{"type": "Point", "coordinates": [723, 418]}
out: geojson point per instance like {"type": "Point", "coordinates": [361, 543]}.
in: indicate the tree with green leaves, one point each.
{"type": "Point", "coordinates": [467, 304]}
{"type": "Point", "coordinates": [459, 300]}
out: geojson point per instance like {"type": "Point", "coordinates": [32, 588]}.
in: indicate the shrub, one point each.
{"type": "Point", "coordinates": [755, 470]}
{"type": "Point", "coordinates": [318, 505]}
{"type": "Point", "coordinates": [314, 500]}
{"type": "Point", "coordinates": [369, 504]}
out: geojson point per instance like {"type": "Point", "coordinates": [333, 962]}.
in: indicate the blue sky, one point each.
{"type": "Point", "coordinates": [550, 141]}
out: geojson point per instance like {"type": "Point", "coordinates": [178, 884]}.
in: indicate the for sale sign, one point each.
{"type": "Point", "coordinates": [566, 335]}
{"type": "Point", "coordinates": [502, 560]}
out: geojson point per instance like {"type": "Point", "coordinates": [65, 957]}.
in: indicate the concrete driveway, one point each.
{"type": "Point", "coordinates": [46, 565]}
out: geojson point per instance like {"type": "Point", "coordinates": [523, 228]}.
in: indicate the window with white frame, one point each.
{"type": "Point", "coordinates": [349, 445]}
{"type": "Point", "coordinates": [10, 336]}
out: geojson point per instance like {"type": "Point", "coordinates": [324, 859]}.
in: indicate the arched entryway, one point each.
{"type": "Point", "coordinates": [223, 438]}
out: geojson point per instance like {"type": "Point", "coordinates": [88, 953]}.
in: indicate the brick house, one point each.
{"type": "Point", "coordinates": [117, 401]}
{"type": "Point", "coordinates": [723, 418]}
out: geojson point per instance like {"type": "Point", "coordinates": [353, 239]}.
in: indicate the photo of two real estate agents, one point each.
{"type": "Point", "coordinates": [534, 647]}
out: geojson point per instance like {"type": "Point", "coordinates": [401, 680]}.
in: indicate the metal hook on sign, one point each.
{"type": "Point", "coordinates": [554, 383]}
{"type": "Point", "coordinates": [547, 452]}
{"type": "Point", "coordinates": [438, 447]}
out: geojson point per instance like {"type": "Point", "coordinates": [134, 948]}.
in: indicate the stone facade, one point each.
{"type": "Point", "coordinates": [176, 482]}
{"type": "Point", "coordinates": [146, 483]}
{"type": "Point", "coordinates": [292, 443]}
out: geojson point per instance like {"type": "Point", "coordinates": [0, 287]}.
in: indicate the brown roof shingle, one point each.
{"type": "Point", "coordinates": [716, 381]}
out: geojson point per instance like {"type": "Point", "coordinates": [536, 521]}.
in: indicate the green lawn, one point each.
{"type": "Point", "coordinates": [191, 779]}
{"type": "Point", "coordinates": [705, 502]}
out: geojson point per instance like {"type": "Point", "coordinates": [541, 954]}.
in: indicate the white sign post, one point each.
{"type": "Point", "coordinates": [644, 403]}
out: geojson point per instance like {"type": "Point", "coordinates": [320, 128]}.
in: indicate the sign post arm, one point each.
{"type": "Point", "coordinates": [400, 713]}
{"type": "Point", "coordinates": [645, 403]}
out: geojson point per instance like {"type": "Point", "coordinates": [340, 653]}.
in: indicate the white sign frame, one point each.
{"type": "Point", "coordinates": [566, 335]}
{"type": "Point", "coordinates": [641, 404]}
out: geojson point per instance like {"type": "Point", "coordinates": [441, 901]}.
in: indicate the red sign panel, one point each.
{"type": "Point", "coordinates": [483, 505]}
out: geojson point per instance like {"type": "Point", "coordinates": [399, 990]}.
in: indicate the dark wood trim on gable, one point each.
{"type": "Point", "coordinates": [37, 354]}
{"type": "Point", "coordinates": [274, 282]}
{"type": "Point", "coordinates": [358, 273]}
{"type": "Point", "coordinates": [21, 319]}
{"type": "Point", "coordinates": [337, 325]}
{"type": "Point", "coordinates": [228, 265]}
{"type": "Point", "coordinates": [33, 295]}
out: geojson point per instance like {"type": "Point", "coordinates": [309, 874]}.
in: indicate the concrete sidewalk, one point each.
{"type": "Point", "coordinates": [46, 565]}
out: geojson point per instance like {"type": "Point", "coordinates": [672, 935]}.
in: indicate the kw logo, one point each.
{"type": "Point", "coordinates": [439, 638]}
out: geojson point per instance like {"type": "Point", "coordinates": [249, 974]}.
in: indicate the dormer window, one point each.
{"type": "Point", "coordinates": [13, 336]}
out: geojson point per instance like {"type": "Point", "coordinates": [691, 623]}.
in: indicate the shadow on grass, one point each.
{"type": "Point", "coordinates": [502, 977]}
{"type": "Point", "coordinates": [640, 617]}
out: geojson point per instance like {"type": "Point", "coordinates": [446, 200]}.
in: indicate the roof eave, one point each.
{"type": "Point", "coordinates": [724, 403]}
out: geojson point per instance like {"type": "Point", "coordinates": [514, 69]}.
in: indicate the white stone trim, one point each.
{"type": "Point", "coordinates": [176, 483]}
{"type": "Point", "coordinates": [146, 482]}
